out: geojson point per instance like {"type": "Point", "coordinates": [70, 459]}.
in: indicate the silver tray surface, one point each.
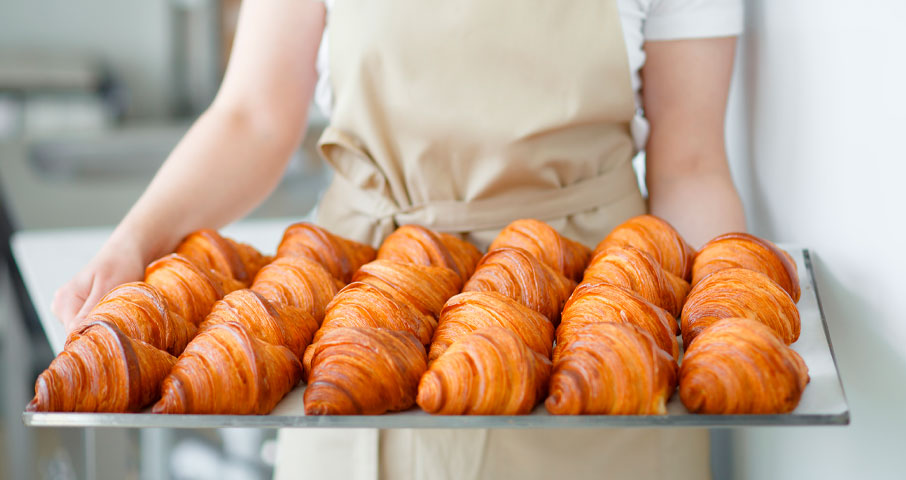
{"type": "Point", "coordinates": [822, 403]}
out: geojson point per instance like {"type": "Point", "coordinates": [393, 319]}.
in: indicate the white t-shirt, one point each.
{"type": "Point", "coordinates": [642, 20]}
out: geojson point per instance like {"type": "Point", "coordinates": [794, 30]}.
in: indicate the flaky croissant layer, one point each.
{"type": "Point", "coordinates": [142, 312]}
{"type": "Point", "coordinates": [226, 370]}
{"type": "Point", "coordinates": [547, 245]}
{"type": "Point", "coordinates": [604, 303]}
{"type": "Point", "coordinates": [490, 371]}
{"type": "Point", "coordinates": [364, 371]}
{"type": "Point", "coordinates": [421, 246]}
{"type": "Point", "coordinates": [739, 292]}
{"type": "Point", "coordinates": [340, 256]}
{"type": "Point", "coordinates": [470, 311]}
{"type": "Point", "coordinates": [298, 282]}
{"type": "Point", "coordinates": [635, 270]}
{"type": "Point", "coordinates": [518, 274]}
{"type": "Point", "coordinates": [742, 250]}
{"type": "Point", "coordinates": [611, 369]}
{"type": "Point", "coordinates": [740, 366]}
{"type": "Point", "coordinates": [656, 237]}
{"type": "Point", "coordinates": [101, 370]}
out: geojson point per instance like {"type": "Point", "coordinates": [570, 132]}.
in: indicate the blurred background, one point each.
{"type": "Point", "coordinates": [94, 94]}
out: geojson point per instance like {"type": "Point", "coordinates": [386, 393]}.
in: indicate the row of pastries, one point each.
{"type": "Point", "coordinates": [218, 328]}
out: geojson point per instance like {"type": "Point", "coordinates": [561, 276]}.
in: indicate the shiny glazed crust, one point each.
{"type": "Point", "coordinates": [611, 369]}
{"type": "Point", "coordinates": [740, 366]}
{"type": "Point", "coordinates": [276, 324]}
{"type": "Point", "coordinates": [421, 246]}
{"type": "Point", "coordinates": [101, 370]}
{"type": "Point", "coordinates": [226, 370]}
{"type": "Point", "coordinates": [739, 292]}
{"type": "Point", "coordinates": [142, 312]}
{"type": "Point", "coordinates": [657, 238]}
{"type": "Point", "coordinates": [491, 371]}
{"type": "Point", "coordinates": [742, 250]}
{"type": "Point", "coordinates": [364, 371]}
{"type": "Point", "coordinates": [635, 270]}
{"type": "Point", "coordinates": [516, 273]}
{"type": "Point", "coordinates": [340, 256]}
{"type": "Point", "coordinates": [547, 245]}
{"type": "Point", "coordinates": [604, 303]}
{"type": "Point", "coordinates": [298, 282]}
{"type": "Point", "coordinates": [470, 311]}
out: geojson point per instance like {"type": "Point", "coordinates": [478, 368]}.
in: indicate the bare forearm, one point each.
{"type": "Point", "coordinates": [700, 204]}
{"type": "Point", "coordinates": [226, 164]}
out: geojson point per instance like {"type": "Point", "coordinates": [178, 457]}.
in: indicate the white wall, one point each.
{"type": "Point", "coordinates": [817, 133]}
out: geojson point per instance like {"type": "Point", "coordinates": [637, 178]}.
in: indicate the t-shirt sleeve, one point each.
{"type": "Point", "coordinates": [677, 19]}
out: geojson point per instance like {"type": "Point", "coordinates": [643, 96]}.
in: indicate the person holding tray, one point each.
{"type": "Point", "coordinates": [460, 116]}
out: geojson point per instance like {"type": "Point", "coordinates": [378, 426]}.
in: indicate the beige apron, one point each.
{"type": "Point", "coordinates": [463, 116]}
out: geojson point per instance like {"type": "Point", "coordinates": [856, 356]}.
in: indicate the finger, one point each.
{"type": "Point", "coordinates": [93, 297]}
{"type": "Point", "coordinates": [66, 305]}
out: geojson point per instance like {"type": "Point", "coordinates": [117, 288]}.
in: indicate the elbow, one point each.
{"type": "Point", "coordinates": [276, 128]}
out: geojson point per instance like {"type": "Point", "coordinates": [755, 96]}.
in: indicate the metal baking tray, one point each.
{"type": "Point", "coordinates": [822, 403]}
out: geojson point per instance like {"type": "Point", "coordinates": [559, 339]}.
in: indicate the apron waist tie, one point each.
{"type": "Point", "coordinates": [494, 213]}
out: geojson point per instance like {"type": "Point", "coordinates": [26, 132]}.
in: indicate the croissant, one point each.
{"type": "Point", "coordinates": [427, 288]}
{"type": "Point", "coordinates": [190, 290]}
{"type": "Point", "coordinates": [739, 366]}
{"type": "Point", "coordinates": [299, 282]}
{"type": "Point", "coordinates": [540, 239]}
{"type": "Point", "coordinates": [469, 311]}
{"type": "Point", "coordinates": [226, 370]}
{"type": "Point", "coordinates": [747, 251]}
{"type": "Point", "coordinates": [421, 246]}
{"type": "Point", "coordinates": [340, 256]}
{"type": "Point", "coordinates": [603, 303]}
{"type": "Point", "coordinates": [638, 271]}
{"type": "Point", "coordinates": [210, 251]}
{"type": "Point", "coordinates": [101, 370]}
{"type": "Point", "coordinates": [488, 372]}
{"type": "Point", "coordinates": [519, 275]}
{"type": "Point", "coordinates": [142, 313]}
{"type": "Point", "coordinates": [611, 369]}
{"type": "Point", "coordinates": [655, 237]}
{"type": "Point", "coordinates": [277, 324]}
{"type": "Point", "coordinates": [738, 292]}
{"type": "Point", "coordinates": [364, 371]}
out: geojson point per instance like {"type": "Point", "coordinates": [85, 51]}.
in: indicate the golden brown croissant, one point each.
{"type": "Point", "coordinates": [226, 370]}
{"type": "Point", "coordinates": [747, 251]}
{"type": "Point", "coordinates": [611, 369]}
{"type": "Point", "coordinates": [540, 239]}
{"type": "Point", "coordinates": [363, 305]}
{"type": "Point", "coordinates": [491, 371]}
{"type": "Point", "coordinates": [101, 370]}
{"type": "Point", "coordinates": [364, 371]}
{"type": "Point", "coordinates": [469, 311]}
{"type": "Point", "coordinates": [276, 324]}
{"type": "Point", "coordinates": [190, 290]}
{"type": "Point", "coordinates": [519, 275]}
{"type": "Point", "coordinates": [638, 271]}
{"type": "Point", "coordinates": [603, 303]}
{"type": "Point", "coordinates": [210, 251]}
{"type": "Point", "coordinates": [738, 292]}
{"type": "Point", "coordinates": [427, 288]}
{"type": "Point", "coordinates": [299, 282]}
{"type": "Point", "coordinates": [739, 366]}
{"type": "Point", "coordinates": [421, 246]}
{"type": "Point", "coordinates": [340, 256]}
{"type": "Point", "coordinates": [143, 313]}
{"type": "Point", "coordinates": [655, 237]}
